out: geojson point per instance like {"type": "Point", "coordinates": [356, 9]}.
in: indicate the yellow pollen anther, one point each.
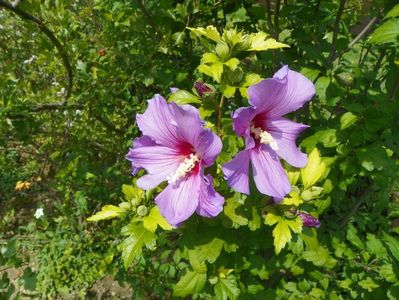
{"type": "Point", "coordinates": [185, 167]}
{"type": "Point", "coordinates": [264, 137]}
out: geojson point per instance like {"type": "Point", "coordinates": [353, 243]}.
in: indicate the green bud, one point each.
{"type": "Point", "coordinates": [142, 210]}
{"type": "Point", "coordinates": [312, 193]}
{"type": "Point", "coordinates": [222, 50]}
{"type": "Point", "coordinates": [125, 206]}
{"type": "Point", "coordinates": [306, 195]}
{"type": "Point", "coordinates": [234, 78]}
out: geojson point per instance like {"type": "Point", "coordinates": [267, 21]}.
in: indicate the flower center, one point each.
{"type": "Point", "coordinates": [264, 137]}
{"type": "Point", "coordinates": [184, 168]}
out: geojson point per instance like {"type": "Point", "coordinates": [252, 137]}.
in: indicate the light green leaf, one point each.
{"type": "Point", "coordinates": [226, 288]}
{"type": "Point", "coordinates": [322, 85]}
{"type": "Point", "coordinates": [260, 42]}
{"type": "Point", "coordinates": [393, 245]}
{"type": "Point", "coordinates": [107, 212]}
{"type": "Point", "coordinates": [191, 283]}
{"type": "Point", "coordinates": [184, 97]}
{"type": "Point", "coordinates": [294, 199]}
{"type": "Point", "coordinates": [207, 252]}
{"type": "Point", "coordinates": [132, 194]}
{"type": "Point", "coordinates": [353, 237]}
{"type": "Point", "coordinates": [232, 63]}
{"type": "Point", "coordinates": [209, 58]}
{"type": "Point", "coordinates": [255, 223]}
{"type": "Point", "coordinates": [209, 32]}
{"type": "Point", "coordinates": [155, 219]}
{"type": "Point", "coordinates": [394, 12]}
{"type": "Point", "coordinates": [313, 170]}
{"type": "Point", "coordinates": [368, 284]}
{"type": "Point", "coordinates": [282, 232]}
{"type": "Point", "coordinates": [133, 245]}
{"type": "Point", "coordinates": [229, 91]}
{"type": "Point", "coordinates": [348, 119]}
{"type": "Point", "coordinates": [375, 246]}
{"type": "Point", "coordinates": [319, 257]}
{"type": "Point", "coordinates": [388, 32]}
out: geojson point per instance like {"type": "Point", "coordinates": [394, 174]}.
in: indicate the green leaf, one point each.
{"type": "Point", "coordinates": [394, 12]}
{"type": "Point", "coordinates": [327, 137]}
{"type": "Point", "coordinates": [230, 211]}
{"type": "Point", "coordinates": [353, 237]}
{"type": "Point", "coordinates": [184, 97]}
{"type": "Point", "coordinates": [322, 85]}
{"type": "Point", "coordinates": [388, 32]}
{"type": "Point", "coordinates": [132, 194]}
{"type": "Point", "coordinates": [232, 63]}
{"type": "Point", "coordinates": [207, 252]}
{"type": "Point", "coordinates": [133, 245]}
{"type": "Point", "coordinates": [155, 219]}
{"type": "Point", "coordinates": [375, 246]}
{"type": "Point", "coordinates": [348, 119]}
{"type": "Point", "coordinates": [393, 245]}
{"type": "Point", "coordinates": [314, 170]}
{"type": "Point", "coordinates": [191, 283]}
{"type": "Point", "coordinates": [255, 223]}
{"type": "Point", "coordinates": [368, 284]}
{"type": "Point", "coordinates": [209, 32]}
{"type": "Point", "coordinates": [229, 91]}
{"type": "Point", "coordinates": [209, 58]}
{"type": "Point", "coordinates": [282, 232]}
{"type": "Point", "coordinates": [260, 42]}
{"type": "Point", "coordinates": [319, 257]}
{"type": "Point", "coordinates": [226, 288]}
{"type": "Point", "coordinates": [107, 212]}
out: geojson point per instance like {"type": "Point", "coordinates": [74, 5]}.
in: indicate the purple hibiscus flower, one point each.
{"type": "Point", "coordinates": [268, 136]}
{"type": "Point", "coordinates": [175, 147]}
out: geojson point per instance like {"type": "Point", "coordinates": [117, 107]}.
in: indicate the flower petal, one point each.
{"type": "Point", "coordinates": [159, 161]}
{"type": "Point", "coordinates": [287, 91]}
{"type": "Point", "coordinates": [178, 201]}
{"type": "Point", "coordinates": [236, 172]}
{"type": "Point", "coordinates": [157, 122]}
{"type": "Point", "coordinates": [285, 133]}
{"type": "Point", "coordinates": [242, 118]}
{"type": "Point", "coordinates": [139, 142]}
{"type": "Point", "coordinates": [270, 177]}
{"type": "Point", "coordinates": [210, 202]}
{"type": "Point", "coordinates": [208, 145]}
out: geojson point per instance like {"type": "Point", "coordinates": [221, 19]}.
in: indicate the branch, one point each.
{"type": "Point", "coordinates": [335, 33]}
{"type": "Point", "coordinates": [356, 39]}
{"type": "Point", "coordinates": [27, 16]}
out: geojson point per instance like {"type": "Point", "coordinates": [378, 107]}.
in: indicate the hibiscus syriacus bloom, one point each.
{"type": "Point", "coordinates": [175, 147]}
{"type": "Point", "coordinates": [268, 136]}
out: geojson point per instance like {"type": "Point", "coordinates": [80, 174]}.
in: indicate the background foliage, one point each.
{"type": "Point", "coordinates": [67, 153]}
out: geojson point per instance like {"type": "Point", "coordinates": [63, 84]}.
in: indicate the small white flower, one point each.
{"type": "Point", "coordinates": [61, 92]}
{"type": "Point", "coordinates": [78, 112]}
{"type": "Point", "coordinates": [39, 213]}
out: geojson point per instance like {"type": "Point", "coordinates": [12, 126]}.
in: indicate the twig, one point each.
{"type": "Point", "coordinates": [27, 16]}
{"type": "Point", "coordinates": [356, 39]}
{"type": "Point", "coordinates": [269, 17]}
{"type": "Point", "coordinates": [276, 20]}
{"type": "Point", "coordinates": [336, 30]}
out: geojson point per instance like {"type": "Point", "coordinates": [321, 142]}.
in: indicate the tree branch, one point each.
{"type": "Point", "coordinates": [336, 30]}
{"type": "Point", "coordinates": [27, 16]}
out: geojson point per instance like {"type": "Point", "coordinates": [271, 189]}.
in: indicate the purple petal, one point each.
{"type": "Point", "coordinates": [287, 91]}
{"type": "Point", "coordinates": [157, 122]}
{"type": "Point", "coordinates": [139, 142]}
{"type": "Point", "coordinates": [187, 122]}
{"type": "Point", "coordinates": [159, 161]}
{"type": "Point", "coordinates": [242, 118]}
{"type": "Point", "coordinates": [178, 201]}
{"type": "Point", "coordinates": [210, 202]}
{"type": "Point", "coordinates": [309, 221]}
{"type": "Point", "coordinates": [285, 133]}
{"type": "Point", "coordinates": [208, 146]}
{"type": "Point", "coordinates": [174, 90]}
{"type": "Point", "coordinates": [270, 178]}
{"type": "Point", "coordinates": [236, 172]}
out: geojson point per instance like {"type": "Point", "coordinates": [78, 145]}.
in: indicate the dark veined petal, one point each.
{"type": "Point", "coordinates": [242, 118]}
{"type": "Point", "coordinates": [178, 201]}
{"type": "Point", "coordinates": [236, 172]}
{"type": "Point", "coordinates": [287, 91]}
{"type": "Point", "coordinates": [157, 122]}
{"type": "Point", "coordinates": [208, 146]}
{"type": "Point", "coordinates": [158, 161]}
{"type": "Point", "coordinates": [210, 202]}
{"type": "Point", "coordinates": [270, 177]}
{"type": "Point", "coordinates": [285, 133]}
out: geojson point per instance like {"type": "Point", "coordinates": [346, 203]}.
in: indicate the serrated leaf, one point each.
{"type": "Point", "coordinates": [282, 232]}
{"type": "Point", "coordinates": [314, 170]}
{"type": "Point", "coordinates": [368, 284]}
{"type": "Point", "coordinates": [229, 91]}
{"type": "Point", "coordinates": [207, 252]}
{"type": "Point", "coordinates": [107, 212]}
{"type": "Point", "coordinates": [388, 32]}
{"type": "Point", "coordinates": [209, 32]}
{"type": "Point", "coordinates": [232, 63]}
{"type": "Point", "coordinates": [294, 199]}
{"type": "Point", "coordinates": [191, 283]}
{"type": "Point", "coordinates": [132, 194]}
{"type": "Point", "coordinates": [155, 219]}
{"type": "Point", "coordinates": [184, 97]}
{"type": "Point", "coordinates": [209, 58]}
{"type": "Point", "coordinates": [260, 42]}
{"type": "Point", "coordinates": [133, 245]}
{"type": "Point", "coordinates": [226, 288]}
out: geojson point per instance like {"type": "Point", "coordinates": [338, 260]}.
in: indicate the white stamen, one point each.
{"type": "Point", "coordinates": [185, 167]}
{"type": "Point", "coordinates": [265, 137]}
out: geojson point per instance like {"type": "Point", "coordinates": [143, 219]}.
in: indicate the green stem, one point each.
{"type": "Point", "coordinates": [219, 115]}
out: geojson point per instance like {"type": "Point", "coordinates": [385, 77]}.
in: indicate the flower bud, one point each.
{"type": "Point", "coordinates": [202, 88]}
{"type": "Point", "coordinates": [234, 78]}
{"type": "Point", "coordinates": [222, 50]}
{"type": "Point", "coordinates": [142, 210]}
{"type": "Point", "coordinates": [309, 221]}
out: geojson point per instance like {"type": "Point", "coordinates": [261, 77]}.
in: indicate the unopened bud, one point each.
{"type": "Point", "coordinates": [309, 221]}
{"type": "Point", "coordinates": [222, 50]}
{"type": "Point", "coordinates": [142, 210]}
{"type": "Point", "coordinates": [202, 88]}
